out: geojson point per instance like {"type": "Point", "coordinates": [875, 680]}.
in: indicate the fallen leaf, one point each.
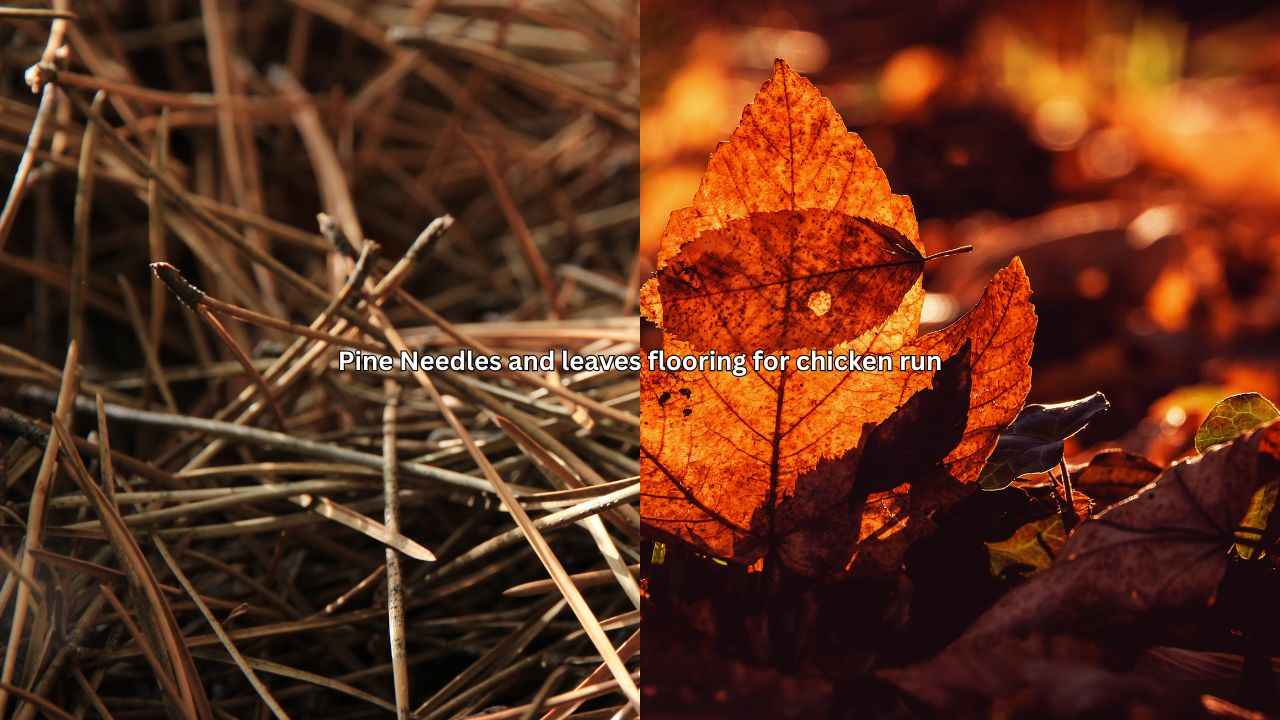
{"type": "Point", "coordinates": [1163, 549]}
{"type": "Point", "coordinates": [1056, 676]}
{"type": "Point", "coordinates": [791, 152]}
{"type": "Point", "coordinates": [1113, 475]}
{"type": "Point", "coordinates": [897, 450]}
{"type": "Point", "coordinates": [1233, 416]}
{"type": "Point", "coordinates": [716, 450]}
{"type": "Point", "coordinates": [842, 503]}
{"type": "Point", "coordinates": [1253, 526]}
{"type": "Point", "coordinates": [785, 280]}
{"type": "Point", "coordinates": [1226, 421]}
{"type": "Point", "coordinates": [1032, 547]}
{"type": "Point", "coordinates": [1033, 442]}
{"type": "Point", "coordinates": [793, 195]}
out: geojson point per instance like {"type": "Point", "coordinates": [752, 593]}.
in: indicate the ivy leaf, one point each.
{"type": "Point", "coordinates": [1254, 525]}
{"type": "Point", "coordinates": [1033, 546]}
{"type": "Point", "coordinates": [1034, 441]}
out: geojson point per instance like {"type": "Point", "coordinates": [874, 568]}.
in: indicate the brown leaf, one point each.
{"type": "Point", "coordinates": [897, 451]}
{"type": "Point", "coordinates": [1037, 676]}
{"type": "Point", "coordinates": [1113, 475]}
{"type": "Point", "coordinates": [1163, 549]}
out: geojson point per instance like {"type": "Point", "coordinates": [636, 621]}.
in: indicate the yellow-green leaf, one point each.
{"type": "Point", "coordinates": [659, 554]}
{"type": "Point", "coordinates": [1229, 419]}
{"type": "Point", "coordinates": [1254, 523]}
{"type": "Point", "coordinates": [1233, 417]}
{"type": "Point", "coordinates": [1033, 545]}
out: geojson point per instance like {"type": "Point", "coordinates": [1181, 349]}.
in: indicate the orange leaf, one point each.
{"type": "Point", "coordinates": [793, 196]}
{"type": "Point", "coordinates": [777, 281]}
{"type": "Point", "coordinates": [791, 152]}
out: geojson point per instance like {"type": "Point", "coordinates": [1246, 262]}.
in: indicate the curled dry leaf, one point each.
{"type": "Point", "coordinates": [721, 455]}
{"type": "Point", "coordinates": [785, 280]}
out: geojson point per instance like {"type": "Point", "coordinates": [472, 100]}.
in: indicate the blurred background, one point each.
{"type": "Point", "coordinates": [1127, 152]}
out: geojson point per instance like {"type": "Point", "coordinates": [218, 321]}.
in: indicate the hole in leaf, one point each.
{"type": "Point", "coordinates": [819, 302]}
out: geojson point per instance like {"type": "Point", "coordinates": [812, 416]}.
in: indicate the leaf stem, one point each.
{"type": "Point", "coordinates": [1069, 517]}
{"type": "Point", "coordinates": [948, 253]}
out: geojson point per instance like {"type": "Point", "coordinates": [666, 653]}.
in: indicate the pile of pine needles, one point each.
{"type": "Point", "coordinates": [201, 514]}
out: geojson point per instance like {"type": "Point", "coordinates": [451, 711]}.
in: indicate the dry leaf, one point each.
{"type": "Point", "coordinates": [791, 152]}
{"type": "Point", "coordinates": [1227, 420]}
{"type": "Point", "coordinates": [1233, 416]}
{"type": "Point", "coordinates": [1032, 547]}
{"type": "Point", "coordinates": [716, 449]}
{"type": "Point", "coordinates": [1113, 475]}
{"type": "Point", "coordinates": [785, 280]}
{"type": "Point", "coordinates": [844, 503]}
{"type": "Point", "coordinates": [1163, 549]}
{"type": "Point", "coordinates": [721, 455]}
{"type": "Point", "coordinates": [1038, 677]}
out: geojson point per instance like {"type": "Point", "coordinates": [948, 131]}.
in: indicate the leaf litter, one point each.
{"type": "Point", "coordinates": [909, 543]}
